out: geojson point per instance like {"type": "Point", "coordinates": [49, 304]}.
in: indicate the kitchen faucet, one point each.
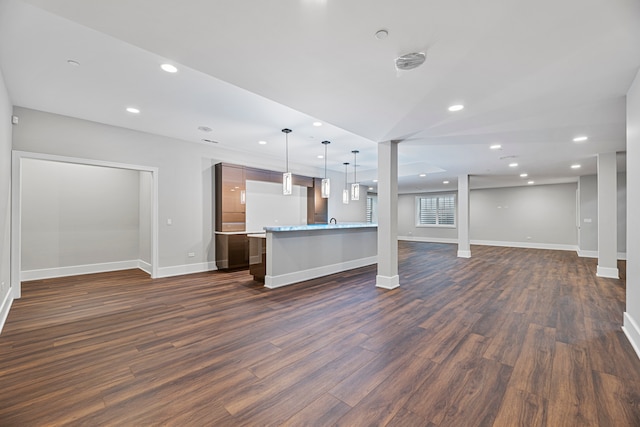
{"type": "Point", "coordinates": [333, 221]}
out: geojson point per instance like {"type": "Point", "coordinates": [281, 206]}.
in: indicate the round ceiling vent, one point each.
{"type": "Point", "coordinates": [410, 60]}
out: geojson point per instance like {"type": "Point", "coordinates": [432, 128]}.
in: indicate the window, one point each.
{"type": "Point", "coordinates": [436, 211]}
{"type": "Point", "coordinates": [369, 209]}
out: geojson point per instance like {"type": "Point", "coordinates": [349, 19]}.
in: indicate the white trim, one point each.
{"type": "Point", "coordinates": [388, 283]}
{"type": "Point", "coordinates": [594, 254]}
{"type": "Point", "coordinates": [179, 270]}
{"type": "Point", "coordinates": [464, 254]}
{"type": "Point", "coordinates": [273, 282]}
{"type": "Point", "coordinates": [587, 254]}
{"type": "Point", "coordinates": [428, 239]}
{"type": "Point", "coordinates": [608, 272]}
{"type": "Point", "coordinates": [5, 307]}
{"type": "Point", "coordinates": [144, 266]}
{"type": "Point", "coordinates": [16, 206]}
{"type": "Point", "coordinates": [631, 330]}
{"type": "Point", "coordinates": [527, 245]}
{"type": "Point", "coordinates": [76, 270]}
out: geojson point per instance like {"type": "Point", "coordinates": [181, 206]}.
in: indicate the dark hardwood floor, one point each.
{"type": "Point", "coordinates": [510, 337]}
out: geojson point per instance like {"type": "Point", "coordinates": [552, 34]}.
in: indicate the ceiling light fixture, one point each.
{"type": "Point", "coordinates": [513, 165]}
{"type": "Point", "coordinates": [355, 187]}
{"type": "Point", "coordinates": [325, 188]}
{"type": "Point", "coordinates": [410, 61]}
{"type": "Point", "coordinates": [345, 191]}
{"type": "Point", "coordinates": [169, 68]}
{"type": "Point", "coordinates": [422, 175]}
{"type": "Point", "coordinates": [317, 124]}
{"type": "Point", "coordinates": [457, 107]}
{"type": "Point", "coordinates": [495, 146]}
{"type": "Point", "coordinates": [445, 182]}
{"type": "Point", "coordinates": [580, 138]}
{"type": "Point", "coordinates": [531, 182]}
{"type": "Point", "coordinates": [133, 110]}
{"type": "Point", "coordinates": [287, 179]}
{"type": "Point", "coordinates": [524, 175]}
{"type": "Point", "coordinates": [576, 166]}
{"type": "Point", "coordinates": [262, 142]}
{"type": "Point", "coordinates": [375, 180]}
{"type": "Point", "coordinates": [204, 128]}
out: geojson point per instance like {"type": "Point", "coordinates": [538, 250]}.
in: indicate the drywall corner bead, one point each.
{"type": "Point", "coordinates": [15, 120]}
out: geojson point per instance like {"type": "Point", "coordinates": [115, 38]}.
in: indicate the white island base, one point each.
{"type": "Point", "coordinates": [298, 253]}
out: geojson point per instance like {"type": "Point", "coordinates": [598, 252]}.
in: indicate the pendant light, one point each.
{"type": "Point", "coordinates": [287, 181]}
{"type": "Point", "coordinates": [355, 187]}
{"type": "Point", "coordinates": [326, 184]}
{"type": "Point", "coordinates": [345, 192]}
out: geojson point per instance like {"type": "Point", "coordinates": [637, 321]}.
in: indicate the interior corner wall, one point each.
{"type": "Point", "coordinates": [5, 201]}
{"type": "Point", "coordinates": [632, 313]}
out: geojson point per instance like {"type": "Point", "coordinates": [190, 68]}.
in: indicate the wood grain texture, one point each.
{"type": "Point", "coordinates": [509, 337]}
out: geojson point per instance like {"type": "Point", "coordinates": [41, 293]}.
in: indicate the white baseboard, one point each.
{"type": "Point", "coordinates": [526, 245]}
{"type": "Point", "coordinates": [386, 282]}
{"type": "Point", "coordinates": [631, 330]}
{"type": "Point", "coordinates": [273, 282]}
{"type": "Point", "coordinates": [7, 300]}
{"type": "Point", "coordinates": [75, 270]}
{"type": "Point", "coordinates": [179, 270]}
{"type": "Point", "coordinates": [608, 272]}
{"type": "Point", "coordinates": [144, 266]}
{"type": "Point", "coordinates": [464, 254]}
{"type": "Point", "coordinates": [594, 254]}
{"type": "Point", "coordinates": [428, 239]}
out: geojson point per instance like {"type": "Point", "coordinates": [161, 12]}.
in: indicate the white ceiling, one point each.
{"type": "Point", "coordinates": [532, 76]}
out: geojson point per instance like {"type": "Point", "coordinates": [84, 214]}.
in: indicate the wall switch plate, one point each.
{"type": "Point", "coordinates": [169, 222]}
{"type": "Point", "coordinates": [587, 220]}
{"type": "Point", "coordinates": [191, 254]}
{"type": "Point", "coordinates": [15, 120]}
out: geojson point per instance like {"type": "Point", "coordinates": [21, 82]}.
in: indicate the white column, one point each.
{"type": "Point", "coordinates": [387, 277]}
{"type": "Point", "coordinates": [464, 244]}
{"type": "Point", "coordinates": [607, 216]}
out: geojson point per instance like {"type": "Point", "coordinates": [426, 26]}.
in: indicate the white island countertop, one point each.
{"type": "Point", "coordinates": [311, 227]}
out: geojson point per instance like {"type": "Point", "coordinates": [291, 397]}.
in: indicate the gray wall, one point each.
{"type": "Point", "coordinates": [407, 222]}
{"type": "Point", "coordinates": [5, 193]}
{"type": "Point", "coordinates": [78, 215]}
{"type": "Point", "coordinates": [589, 211]}
{"type": "Point", "coordinates": [144, 219]}
{"type": "Point", "coordinates": [632, 315]}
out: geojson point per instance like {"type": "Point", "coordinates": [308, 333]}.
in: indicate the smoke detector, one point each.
{"type": "Point", "coordinates": [410, 61]}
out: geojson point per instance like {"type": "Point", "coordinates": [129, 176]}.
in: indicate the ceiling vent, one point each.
{"type": "Point", "coordinates": [410, 61]}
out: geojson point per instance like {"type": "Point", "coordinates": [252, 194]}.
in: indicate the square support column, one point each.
{"type": "Point", "coordinates": [464, 244]}
{"type": "Point", "coordinates": [607, 216]}
{"type": "Point", "coordinates": [387, 276]}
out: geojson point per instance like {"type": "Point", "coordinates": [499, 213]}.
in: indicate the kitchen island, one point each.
{"type": "Point", "coordinates": [302, 252]}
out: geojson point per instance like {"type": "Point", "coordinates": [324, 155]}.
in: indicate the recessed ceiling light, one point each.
{"type": "Point", "coordinates": [73, 62]}
{"type": "Point", "coordinates": [580, 138]}
{"type": "Point", "coordinates": [262, 142]}
{"type": "Point", "coordinates": [445, 182]}
{"type": "Point", "coordinates": [531, 182]}
{"type": "Point", "coordinates": [370, 188]}
{"type": "Point", "coordinates": [381, 34]}
{"type": "Point", "coordinates": [320, 156]}
{"type": "Point", "coordinates": [495, 146]}
{"type": "Point", "coordinates": [133, 110]}
{"type": "Point", "coordinates": [575, 166]}
{"type": "Point", "coordinates": [169, 68]}
{"type": "Point", "coordinates": [456, 107]}
{"type": "Point", "coordinates": [422, 175]}
{"type": "Point", "coordinates": [375, 180]}
{"type": "Point", "coordinates": [513, 165]}
{"type": "Point", "coordinates": [317, 124]}
{"type": "Point", "coordinates": [524, 175]}
{"type": "Point", "coordinates": [204, 128]}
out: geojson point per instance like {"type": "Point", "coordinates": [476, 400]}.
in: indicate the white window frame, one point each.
{"type": "Point", "coordinates": [437, 197]}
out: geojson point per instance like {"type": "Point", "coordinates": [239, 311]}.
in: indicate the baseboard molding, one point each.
{"type": "Point", "coordinates": [594, 254]}
{"type": "Point", "coordinates": [7, 301]}
{"type": "Point", "coordinates": [464, 254]}
{"type": "Point", "coordinates": [75, 270]}
{"type": "Point", "coordinates": [273, 282]}
{"type": "Point", "coordinates": [607, 272]}
{"type": "Point", "coordinates": [526, 245]}
{"type": "Point", "coordinates": [386, 282]}
{"type": "Point", "coordinates": [145, 266]}
{"type": "Point", "coordinates": [179, 270]}
{"type": "Point", "coordinates": [631, 330]}
{"type": "Point", "coordinates": [428, 239]}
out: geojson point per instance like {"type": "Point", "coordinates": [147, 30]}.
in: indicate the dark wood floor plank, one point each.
{"type": "Point", "coordinates": [508, 337]}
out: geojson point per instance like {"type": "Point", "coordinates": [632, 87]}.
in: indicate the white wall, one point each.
{"type": "Point", "coordinates": [267, 206]}
{"type": "Point", "coordinates": [74, 215]}
{"type": "Point", "coordinates": [355, 211]}
{"type": "Point", "coordinates": [5, 201]}
{"type": "Point", "coordinates": [632, 314]}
